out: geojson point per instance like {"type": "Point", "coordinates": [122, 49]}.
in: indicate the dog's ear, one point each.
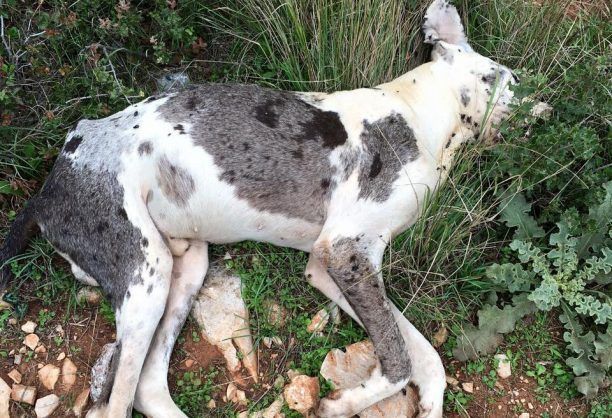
{"type": "Point", "coordinates": [442, 23]}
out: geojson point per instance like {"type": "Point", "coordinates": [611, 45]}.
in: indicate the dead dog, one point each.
{"type": "Point", "coordinates": [135, 195]}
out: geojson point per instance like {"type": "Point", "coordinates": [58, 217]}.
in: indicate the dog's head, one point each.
{"type": "Point", "coordinates": [481, 85]}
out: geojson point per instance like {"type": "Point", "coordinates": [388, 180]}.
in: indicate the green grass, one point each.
{"type": "Point", "coordinates": [67, 60]}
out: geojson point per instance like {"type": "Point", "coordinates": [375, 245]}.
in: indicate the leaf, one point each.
{"type": "Point", "coordinates": [492, 323]}
{"type": "Point", "coordinates": [601, 215]}
{"type": "Point", "coordinates": [511, 276]}
{"type": "Point", "coordinates": [590, 375]}
{"type": "Point", "coordinates": [515, 213]}
{"type": "Point", "coordinates": [6, 188]}
{"type": "Point", "coordinates": [603, 348]}
{"type": "Point", "coordinates": [547, 295]}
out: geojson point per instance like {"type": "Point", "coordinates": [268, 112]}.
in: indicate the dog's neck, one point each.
{"type": "Point", "coordinates": [438, 115]}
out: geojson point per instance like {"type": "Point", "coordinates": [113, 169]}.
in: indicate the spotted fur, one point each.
{"type": "Point", "coordinates": [134, 199]}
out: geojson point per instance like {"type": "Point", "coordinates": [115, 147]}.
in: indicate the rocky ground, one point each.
{"type": "Point", "coordinates": [47, 369]}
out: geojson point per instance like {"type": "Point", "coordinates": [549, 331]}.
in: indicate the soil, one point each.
{"type": "Point", "coordinates": [83, 339]}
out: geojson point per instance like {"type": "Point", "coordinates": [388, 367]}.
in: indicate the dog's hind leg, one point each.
{"type": "Point", "coordinates": [152, 396]}
{"type": "Point", "coordinates": [137, 317]}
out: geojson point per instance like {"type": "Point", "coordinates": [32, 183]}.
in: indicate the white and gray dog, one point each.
{"type": "Point", "coordinates": [140, 194]}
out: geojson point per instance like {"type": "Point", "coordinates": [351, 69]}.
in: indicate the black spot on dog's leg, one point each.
{"type": "Point", "coordinates": [74, 142]}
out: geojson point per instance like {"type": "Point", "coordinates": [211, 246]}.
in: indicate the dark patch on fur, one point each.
{"type": "Point", "coordinates": [180, 128]}
{"type": "Point", "coordinates": [288, 141]}
{"type": "Point", "coordinates": [465, 96]}
{"type": "Point", "coordinates": [149, 289]}
{"type": "Point", "coordinates": [490, 78]}
{"type": "Point", "coordinates": [136, 126]}
{"type": "Point", "coordinates": [145, 148]}
{"type": "Point", "coordinates": [80, 217]}
{"type": "Point", "coordinates": [356, 276]}
{"type": "Point", "coordinates": [74, 142]}
{"type": "Point", "coordinates": [136, 113]}
{"type": "Point", "coordinates": [388, 144]}
{"type": "Point", "coordinates": [175, 182]}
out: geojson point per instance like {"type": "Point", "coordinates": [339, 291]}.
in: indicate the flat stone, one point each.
{"type": "Point", "coordinates": [48, 376]}
{"type": "Point", "coordinates": [45, 406]}
{"type": "Point", "coordinates": [61, 356]}
{"type": "Point", "coordinates": [31, 341]}
{"type": "Point", "coordinates": [40, 349]}
{"type": "Point", "coordinates": [468, 387]}
{"type": "Point", "coordinates": [69, 374]}
{"type": "Point", "coordinates": [349, 368]}
{"type": "Point", "coordinates": [224, 319]}
{"type": "Point", "coordinates": [80, 402]}
{"type": "Point", "coordinates": [17, 359]}
{"type": "Point", "coordinates": [451, 381]}
{"type": "Point", "coordinates": [524, 415]}
{"type": "Point", "coordinates": [15, 376]}
{"type": "Point", "coordinates": [5, 396]}
{"type": "Point", "coordinates": [504, 368]}
{"type": "Point", "coordinates": [29, 327]}
{"type": "Point", "coordinates": [25, 394]}
{"type": "Point", "coordinates": [302, 394]}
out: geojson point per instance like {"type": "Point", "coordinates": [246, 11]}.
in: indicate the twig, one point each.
{"type": "Point", "coordinates": [6, 45]}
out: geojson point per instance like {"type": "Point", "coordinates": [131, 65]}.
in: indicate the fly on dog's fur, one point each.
{"type": "Point", "coordinates": [337, 175]}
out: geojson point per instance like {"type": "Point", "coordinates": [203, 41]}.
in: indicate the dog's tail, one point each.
{"type": "Point", "coordinates": [24, 227]}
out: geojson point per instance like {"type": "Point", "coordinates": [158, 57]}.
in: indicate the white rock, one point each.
{"type": "Point", "coordinates": [230, 393]}
{"type": "Point", "coordinates": [40, 349]}
{"type": "Point", "coordinates": [5, 396]}
{"type": "Point", "coordinates": [61, 356]}
{"type": "Point", "coordinates": [12, 321]}
{"type": "Point", "coordinates": [224, 319]}
{"type": "Point", "coordinates": [29, 327]}
{"type": "Point", "coordinates": [69, 374]}
{"type": "Point", "coordinates": [450, 380]}
{"type": "Point", "coordinates": [25, 394]}
{"type": "Point", "coordinates": [211, 404]}
{"type": "Point", "coordinates": [81, 402]}
{"type": "Point", "coordinates": [318, 321]}
{"type": "Point", "coordinates": [15, 376]}
{"type": "Point", "coordinates": [468, 387]}
{"type": "Point", "coordinates": [302, 394]}
{"type": "Point", "coordinates": [504, 369]}
{"type": "Point", "coordinates": [524, 415]}
{"type": "Point", "coordinates": [48, 376]}
{"type": "Point", "coordinates": [31, 341]}
{"type": "Point", "coordinates": [17, 359]}
{"type": "Point", "coordinates": [46, 405]}
{"type": "Point", "coordinates": [353, 367]}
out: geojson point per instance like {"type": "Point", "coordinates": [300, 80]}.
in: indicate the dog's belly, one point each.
{"type": "Point", "coordinates": [222, 221]}
{"type": "Point", "coordinates": [208, 209]}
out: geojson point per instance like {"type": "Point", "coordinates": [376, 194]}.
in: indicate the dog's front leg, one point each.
{"type": "Point", "coordinates": [353, 264]}
{"type": "Point", "coordinates": [427, 372]}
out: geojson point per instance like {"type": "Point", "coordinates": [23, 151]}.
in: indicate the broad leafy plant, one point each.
{"type": "Point", "coordinates": [571, 270]}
